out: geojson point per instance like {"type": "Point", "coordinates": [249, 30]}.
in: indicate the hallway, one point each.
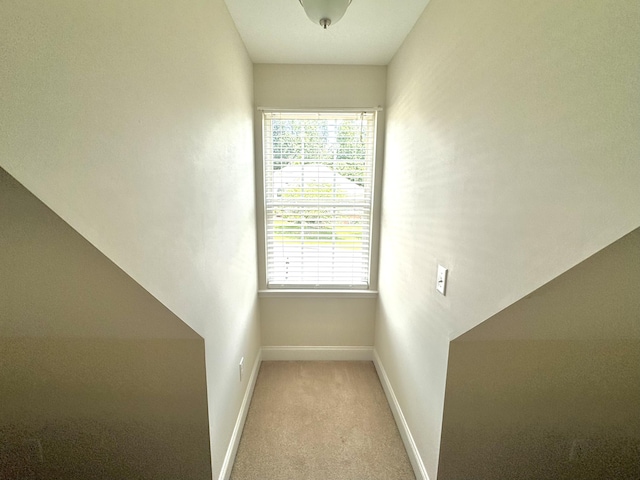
{"type": "Point", "coordinates": [320, 420]}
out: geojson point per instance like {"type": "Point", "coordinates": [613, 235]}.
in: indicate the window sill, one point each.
{"type": "Point", "coordinates": [311, 293]}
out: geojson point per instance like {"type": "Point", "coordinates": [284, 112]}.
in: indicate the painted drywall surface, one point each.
{"type": "Point", "coordinates": [107, 380]}
{"type": "Point", "coordinates": [103, 408]}
{"type": "Point", "coordinates": [550, 386]}
{"type": "Point", "coordinates": [319, 86]}
{"type": "Point", "coordinates": [333, 321]}
{"type": "Point", "coordinates": [54, 283]}
{"type": "Point", "coordinates": [414, 353]}
{"type": "Point", "coordinates": [542, 409]}
{"type": "Point", "coordinates": [511, 155]}
{"type": "Point", "coordinates": [598, 299]}
{"type": "Point", "coordinates": [304, 320]}
{"type": "Point", "coordinates": [133, 122]}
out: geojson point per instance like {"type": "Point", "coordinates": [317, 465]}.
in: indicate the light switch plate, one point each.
{"type": "Point", "coordinates": [441, 280]}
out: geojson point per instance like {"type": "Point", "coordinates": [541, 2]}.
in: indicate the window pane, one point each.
{"type": "Point", "coordinates": [318, 198]}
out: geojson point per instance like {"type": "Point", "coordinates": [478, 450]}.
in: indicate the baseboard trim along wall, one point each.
{"type": "Point", "coordinates": [229, 458]}
{"type": "Point", "coordinates": [409, 444]}
{"type": "Point", "coordinates": [318, 353]}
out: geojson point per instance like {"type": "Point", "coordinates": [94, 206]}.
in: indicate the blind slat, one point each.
{"type": "Point", "coordinates": [318, 183]}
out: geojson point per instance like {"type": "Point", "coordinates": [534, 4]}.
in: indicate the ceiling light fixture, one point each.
{"type": "Point", "coordinates": [325, 12]}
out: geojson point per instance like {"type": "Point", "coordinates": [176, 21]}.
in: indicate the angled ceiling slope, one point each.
{"type": "Point", "coordinates": [370, 33]}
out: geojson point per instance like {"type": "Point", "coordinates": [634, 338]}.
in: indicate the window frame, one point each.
{"type": "Point", "coordinates": [311, 289]}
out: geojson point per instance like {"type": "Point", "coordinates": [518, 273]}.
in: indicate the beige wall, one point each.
{"type": "Point", "coordinates": [104, 408]}
{"type": "Point", "coordinates": [542, 409]}
{"type": "Point", "coordinates": [550, 386]}
{"type": "Point", "coordinates": [321, 321]}
{"type": "Point", "coordinates": [55, 284]}
{"type": "Point", "coordinates": [107, 380]}
{"type": "Point", "coordinates": [595, 300]}
{"type": "Point", "coordinates": [326, 320]}
{"type": "Point", "coordinates": [133, 122]}
{"type": "Point", "coordinates": [511, 155]}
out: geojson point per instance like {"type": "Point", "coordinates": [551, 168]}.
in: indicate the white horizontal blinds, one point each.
{"type": "Point", "coordinates": [318, 198]}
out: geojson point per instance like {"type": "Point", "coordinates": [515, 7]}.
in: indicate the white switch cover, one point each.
{"type": "Point", "coordinates": [441, 280]}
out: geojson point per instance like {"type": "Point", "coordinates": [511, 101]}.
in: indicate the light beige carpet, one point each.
{"type": "Point", "coordinates": [320, 420]}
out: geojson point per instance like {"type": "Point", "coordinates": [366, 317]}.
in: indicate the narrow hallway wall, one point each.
{"type": "Point", "coordinates": [511, 155]}
{"type": "Point", "coordinates": [133, 122]}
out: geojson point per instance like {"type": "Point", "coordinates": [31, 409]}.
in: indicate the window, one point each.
{"type": "Point", "coordinates": [318, 174]}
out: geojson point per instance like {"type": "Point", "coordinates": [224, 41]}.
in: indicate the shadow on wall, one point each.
{"type": "Point", "coordinates": [98, 380]}
{"type": "Point", "coordinates": [550, 386]}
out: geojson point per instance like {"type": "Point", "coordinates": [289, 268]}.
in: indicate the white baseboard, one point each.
{"type": "Point", "coordinates": [230, 456]}
{"type": "Point", "coordinates": [318, 353]}
{"type": "Point", "coordinates": [409, 444]}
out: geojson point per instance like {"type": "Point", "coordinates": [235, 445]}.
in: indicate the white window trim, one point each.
{"type": "Point", "coordinates": [317, 293]}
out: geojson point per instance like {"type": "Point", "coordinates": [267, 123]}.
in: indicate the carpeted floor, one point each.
{"type": "Point", "coordinates": [320, 420]}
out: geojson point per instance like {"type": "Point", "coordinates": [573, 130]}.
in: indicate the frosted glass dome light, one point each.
{"type": "Point", "coordinates": [325, 12]}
